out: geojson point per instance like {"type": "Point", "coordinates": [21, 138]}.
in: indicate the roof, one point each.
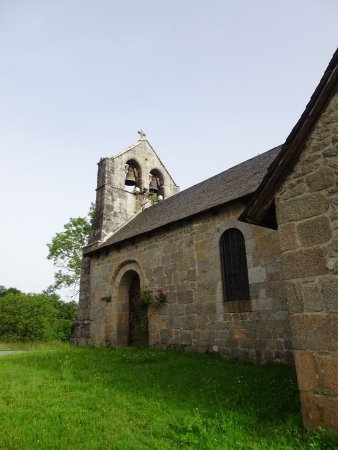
{"type": "Point", "coordinates": [232, 184]}
{"type": "Point", "coordinates": [258, 210]}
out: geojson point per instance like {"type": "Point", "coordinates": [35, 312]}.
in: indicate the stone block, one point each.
{"type": "Point", "coordinates": [269, 245]}
{"type": "Point", "coordinates": [295, 188]}
{"type": "Point", "coordinates": [264, 304]}
{"type": "Point", "coordinates": [329, 372]}
{"type": "Point", "coordinates": [299, 208]}
{"type": "Point", "coordinates": [209, 308]}
{"type": "Point", "coordinates": [295, 301]}
{"type": "Point", "coordinates": [330, 152]}
{"type": "Point", "coordinates": [315, 331]}
{"type": "Point", "coordinates": [191, 275]}
{"type": "Point", "coordinates": [164, 336]}
{"type": "Point", "coordinates": [322, 178]}
{"type": "Point", "coordinates": [257, 274]}
{"type": "Point", "coordinates": [304, 263]}
{"type": "Point", "coordinates": [268, 356]}
{"type": "Point", "coordinates": [311, 297]}
{"type": "Point", "coordinates": [320, 411]}
{"type": "Point", "coordinates": [190, 322]}
{"type": "Point", "coordinates": [194, 308]}
{"type": "Point", "coordinates": [330, 294]}
{"type": "Point", "coordinates": [185, 338]}
{"type": "Point", "coordinates": [176, 309]}
{"type": "Point", "coordinates": [185, 297]}
{"type": "Point", "coordinates": [287, 236]}
{"type": "Point", "coordinates": [307, 372]}
{"type": "Point", "coordinates": [314, 231]}
{"type": "Point", "coordinates": [240, 333]}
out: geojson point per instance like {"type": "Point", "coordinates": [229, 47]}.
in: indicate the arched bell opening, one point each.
{"type": "Point", "coordinates": [156, 184]}
{"type": "Point", "coordinates": [132, 321]}
{"type": "Point", "coordinates": [133, 176]}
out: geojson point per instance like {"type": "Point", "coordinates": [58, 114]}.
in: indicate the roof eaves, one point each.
{"type": "Point", "coordinates": [103, 246]}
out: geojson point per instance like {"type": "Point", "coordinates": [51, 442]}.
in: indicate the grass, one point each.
{"type": "Point", "coordinates": [59, 397]}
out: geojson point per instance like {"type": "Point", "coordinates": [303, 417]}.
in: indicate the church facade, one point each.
{"type": "Point", "coordinates": [222, 278]}
{"type": "Point", "coordinates": [244, 264]}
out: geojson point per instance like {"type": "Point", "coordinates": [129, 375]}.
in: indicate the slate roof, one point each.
{"type": "Point", "coordinates": [220, 189]}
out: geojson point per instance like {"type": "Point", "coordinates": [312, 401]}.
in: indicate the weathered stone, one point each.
{"type": "Point", "coordinates": [330, 152]}
{"type": "Point", "coordinates": [185, 296]}
{"type": "Point", "coordinates": [307, 373]}
{"type": "Point", "coordinates": [322, 178]}
{"type": "Point", "coordinates": [294, 297]}
{"type": "Point", "coordinates": [268, 246]}
{"type": "Point", "coordinates": [312, 298]}
{"type": "Point", "coordinates": [320, 411]}
{"type": "Point", "coordinates": [329, 372]}
{"type": "Point", "coordinates": [190, 322]}
{"type": "Point", "coordinates": [315, 331]}
{"type": "Point", "coordinates": [314, 231]}
{"type": "Point", "coordinates": [302, 207]}
{"type": "Point", "coordinates": [330, 295]}
{"type": "Point", "coordinates": [164, 336]}
{"type": "Point", "coordinates": [287, 236]}
{"type": "Point", "coordinates": [257, 275]}
{"type": "Point", "coordinates": [303, 263]}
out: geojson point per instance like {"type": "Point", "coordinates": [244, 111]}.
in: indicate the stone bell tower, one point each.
{"type": "Point", "coordinates": [126, 184]}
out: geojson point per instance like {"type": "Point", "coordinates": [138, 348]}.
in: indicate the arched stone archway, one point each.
{"type": "Point", "coordinates": [138, 315]}
{"type": "Point", "coordinates": [131, 320]}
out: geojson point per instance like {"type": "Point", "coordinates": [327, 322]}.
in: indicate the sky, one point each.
{"type": "Point", "coordinates": [211, 82]}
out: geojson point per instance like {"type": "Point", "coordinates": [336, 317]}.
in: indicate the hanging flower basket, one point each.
{"type": "Point", "coordinates": [153, 298]}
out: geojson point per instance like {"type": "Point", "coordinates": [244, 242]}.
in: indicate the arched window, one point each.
{"type": "Point", "coordinates": [133, 175]}
{"type": "Point", "coordinates": [234, 266]}
{"type": "Point", "coordinates": [156, 182]}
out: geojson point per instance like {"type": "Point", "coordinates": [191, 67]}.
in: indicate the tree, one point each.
{"type": "Point", "coordinates": [27, 317]}
{"type": "Point", "coordinates": [5, 291]}
{"type": "Point", "coordinates": [65, 250]}
{"type": "Point", "coordinates": [35, 317]}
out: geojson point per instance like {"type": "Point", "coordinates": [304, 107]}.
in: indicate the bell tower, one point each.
{"type": "Point", "coordinates": [127, 183]}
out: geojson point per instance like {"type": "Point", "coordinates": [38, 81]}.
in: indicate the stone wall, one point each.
{"type": "Point", "coordinates": [307, 215]}
{"type": "Point", "coordinates": [184, 259]}
{"type": "Point", "coordinates": [114, 204]}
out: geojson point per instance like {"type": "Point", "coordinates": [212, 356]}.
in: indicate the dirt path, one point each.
{"type": "Point", "coordinates": [10, 352]}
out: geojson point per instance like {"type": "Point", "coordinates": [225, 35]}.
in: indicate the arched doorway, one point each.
{"type": "Point", "coordinates": [138, 315]}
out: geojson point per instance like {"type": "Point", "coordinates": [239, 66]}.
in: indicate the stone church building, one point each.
{"type": "Point", "coordinates": [247, 260]}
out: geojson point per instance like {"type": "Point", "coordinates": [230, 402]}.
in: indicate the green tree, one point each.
{"type": "Point", "coordinates": [27, 317]}
{"type": "Point", "coordinates": [5, 291]}
{"type": "Point", "coordinates": [66, 315]}
{"type": "Point", "coordinates": [65, 250]}
{"type": "Point", "coordinates": [35, 317]}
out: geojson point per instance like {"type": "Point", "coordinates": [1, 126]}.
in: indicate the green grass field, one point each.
{"type": "Point", "coordinates": [59, 397]}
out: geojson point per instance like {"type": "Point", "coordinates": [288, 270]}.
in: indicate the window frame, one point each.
{"type": "Point", "coordinates": [234, 267]}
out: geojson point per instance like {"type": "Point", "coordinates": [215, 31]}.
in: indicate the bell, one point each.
{"type": "Point", "coordinates": [153, 185]}
{"type": "Point", "coordinates": [130, 178]}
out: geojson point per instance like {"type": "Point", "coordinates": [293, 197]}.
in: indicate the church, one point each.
{"type": "Point", "coordinates": [243, 264]}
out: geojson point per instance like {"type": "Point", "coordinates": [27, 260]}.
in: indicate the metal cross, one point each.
{"type": "Point", "coordinates": [142, 135]}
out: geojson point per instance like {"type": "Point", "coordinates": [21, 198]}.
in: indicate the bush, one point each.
{"type": "Point", "coordinates": [34, 317]}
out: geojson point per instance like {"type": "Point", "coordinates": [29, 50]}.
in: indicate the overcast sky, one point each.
{"type": "Point", "coordinates": [212, 83]}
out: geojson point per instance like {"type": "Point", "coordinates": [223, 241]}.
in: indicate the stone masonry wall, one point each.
{"type": "Point", "coordinates": [184, 259]}
{"type": "Point", "coordinates": [114, 204]}
{"type": "Point", "coordinates": [307, 215]}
